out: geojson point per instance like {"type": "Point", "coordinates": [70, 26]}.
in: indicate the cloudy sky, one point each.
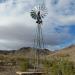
{"type": "Point", "coordinates": [17, 28]}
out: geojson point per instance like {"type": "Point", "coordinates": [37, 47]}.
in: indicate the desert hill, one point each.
{"type": "Point", "coordinates": [29, 52]}
{"type": "Point", "coordinates": [66, 52]}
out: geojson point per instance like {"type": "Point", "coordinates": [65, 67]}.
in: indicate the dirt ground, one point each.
{"type": "Point", "coordinates": [7, 70]}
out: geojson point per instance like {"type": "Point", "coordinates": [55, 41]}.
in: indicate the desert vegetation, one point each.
{"type": "Point", "coordinates": [59, 66]}
{"type": "Point", "coordinates": [57, 63]}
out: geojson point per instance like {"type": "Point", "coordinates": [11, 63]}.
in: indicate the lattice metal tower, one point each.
{"type": "Point", "coordinates": [38, 13]}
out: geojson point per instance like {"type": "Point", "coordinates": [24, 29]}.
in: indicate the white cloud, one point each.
{"type": "Point", "coordinates": [17, 24]}
{"type": "Point", "coordinates": [62, 11]}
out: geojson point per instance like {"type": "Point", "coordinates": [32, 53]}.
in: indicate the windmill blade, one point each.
{"type": "Point", "coordinates": [41, 6]}
{"type": "Point", "coordinates": [33, 14]}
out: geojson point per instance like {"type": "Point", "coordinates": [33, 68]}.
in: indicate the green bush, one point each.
{"type": "Point", "coordinates": [59, 67]}
{"type": "Point", "coordinates": [24, 65]}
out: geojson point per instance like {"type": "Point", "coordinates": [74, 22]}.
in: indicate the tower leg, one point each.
{"type": "Point", "coordinates": [39, 44]}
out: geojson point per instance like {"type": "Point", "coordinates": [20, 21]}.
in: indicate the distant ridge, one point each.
{"type": "Point", "coordinates": [29, 52]}
{"type": "Point", "coordinates": [25, 50]}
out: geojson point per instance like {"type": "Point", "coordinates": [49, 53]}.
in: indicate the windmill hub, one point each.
{"type": "Point", "coordinates": [39, 20]}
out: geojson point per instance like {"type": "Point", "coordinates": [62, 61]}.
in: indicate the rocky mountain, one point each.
{"type": "Point", "coordinates": [26, 51]}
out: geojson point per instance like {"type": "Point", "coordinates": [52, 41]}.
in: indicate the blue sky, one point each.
{"type": "Point", "coordinates": [17, 28]}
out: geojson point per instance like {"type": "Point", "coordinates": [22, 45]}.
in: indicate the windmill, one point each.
{"type": "Point", "coordinates": [38, 14]}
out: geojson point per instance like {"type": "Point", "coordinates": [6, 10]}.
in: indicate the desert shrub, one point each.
{"type": "Point", "coordinates": [24, 65]}
{"type": "Point", "coordinates": [59, 67]}
{"type": "Point", "coordinates": [62, 55]}
{"type": "Point", "coordinates": [2, 57]}
{"type": "Point", "coordinates": [2, 63]}
{"type": "Point", "coordinates": [67, 67]}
